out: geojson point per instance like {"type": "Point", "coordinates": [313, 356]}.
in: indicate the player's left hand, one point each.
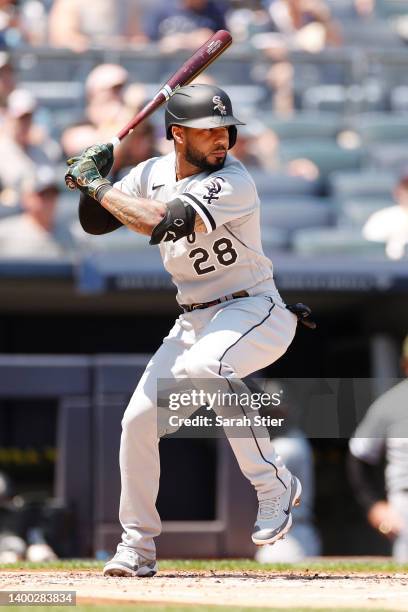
{"type": "Point", "coordinates": [85, 175]}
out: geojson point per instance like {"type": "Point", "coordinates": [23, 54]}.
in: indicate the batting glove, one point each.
{"type": "Point", "coordinates": [101, 154]}
{"type": "Point", "coordinates": [86, 176]}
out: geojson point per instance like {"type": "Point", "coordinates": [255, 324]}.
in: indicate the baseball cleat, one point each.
{"type": "Point", "coordinates": [128, 563]}
{"type": "Point", "coordinates": [274, 515]}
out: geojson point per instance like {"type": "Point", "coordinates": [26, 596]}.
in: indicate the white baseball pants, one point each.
{"type": "Point", "coordinates": [226, 341]}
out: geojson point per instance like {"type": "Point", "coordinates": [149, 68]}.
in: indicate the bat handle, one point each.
{"type": "Point", "coordinates": [70, 183]}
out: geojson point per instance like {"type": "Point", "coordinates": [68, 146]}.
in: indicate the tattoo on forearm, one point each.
{"type": "Point", "coordinates": [137, 214]}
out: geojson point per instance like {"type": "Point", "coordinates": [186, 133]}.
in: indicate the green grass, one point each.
{"type": "Point", "coordinates": [236, 565]}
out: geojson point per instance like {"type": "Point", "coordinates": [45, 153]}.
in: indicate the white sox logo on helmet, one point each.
{"type": "Point", "coordinates": [213, 187]}
{"type": "Point", "coordinates": [219, 105]}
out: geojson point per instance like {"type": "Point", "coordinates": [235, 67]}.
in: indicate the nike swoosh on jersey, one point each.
{"type": "Point", "coordinates": [154, 187]}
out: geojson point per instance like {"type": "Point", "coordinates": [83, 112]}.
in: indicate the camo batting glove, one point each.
{"type": "Point", "coordinates": [101, 154]}
{"type": "Point", "coordinates": [86, 176]}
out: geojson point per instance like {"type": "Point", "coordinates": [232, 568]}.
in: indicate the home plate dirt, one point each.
{"type": "Point", "coordinates": [252, 588]}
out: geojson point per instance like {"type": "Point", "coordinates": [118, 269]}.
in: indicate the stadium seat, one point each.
{"type": "Point", "coordinates": [270, 184]}
{"type": "Point", "coordinates": [381, 127]}
{"type": "Point", "coordinates": [355, 212]}
{"type": "Point", "coordinates": [55, 65]}
{"type": "Point", "coordinates": [371, 33]}
{"type": "Point", "coordinates": [329, 98]}
{"type": "Point", "coordinates": [389, 157]}
{"type": "Point", "coordinates": [294, 213]}
{"type": "Point", "coordinates": [399, 99]}
{"type": "Point", "coordinates": [341, 9]}
{"type": "Point", "coordinates": [370, 96]}
{"type": "Point", "coordinates": [367, 183]}
{"type": "Point", "coordinates": [326, 154]}
{"type": "Point", "coordinates": [275, 238]}
{"type": "Point", "coordinates": [327, 241]}
{"type": "Point", "coordinates": [304, 125]}
{"type": "Point", "coordinates": [391, 8]}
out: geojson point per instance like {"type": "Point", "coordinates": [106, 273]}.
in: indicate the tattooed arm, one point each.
{"type": "Point", "coordinates": [139, 214]}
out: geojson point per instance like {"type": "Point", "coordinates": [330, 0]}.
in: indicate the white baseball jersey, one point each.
{"type": "Point", "coordinates": [384, 430]}
{"type": "Point", "coordinates": [229, 256]}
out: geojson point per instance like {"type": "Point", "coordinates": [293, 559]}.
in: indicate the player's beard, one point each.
{"type": "Point", "coordinates": [199, 160]}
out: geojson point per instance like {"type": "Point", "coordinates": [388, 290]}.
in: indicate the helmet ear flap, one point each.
{"type": "Point", "coordinates": [233, 132]}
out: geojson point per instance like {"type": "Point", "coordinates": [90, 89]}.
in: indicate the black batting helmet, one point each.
{"type": "Point", "coordinates": [201, 106]}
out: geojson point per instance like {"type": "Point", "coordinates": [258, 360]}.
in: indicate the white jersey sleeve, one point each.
{"type": "Point", "coordinates": [135, 183]}
{"type": "Point", "coordinates": [369, 440]}
{"type": "Point", "coordinates": [222, 197]}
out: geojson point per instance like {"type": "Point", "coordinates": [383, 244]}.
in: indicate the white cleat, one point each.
{"type": "Point", "coordinates": [274, 515]}
{"type": "Point", "coordinates": [127, 562]}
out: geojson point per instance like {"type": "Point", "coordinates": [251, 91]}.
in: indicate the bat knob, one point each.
{"type": "Point", "coordinates": [70, 183]}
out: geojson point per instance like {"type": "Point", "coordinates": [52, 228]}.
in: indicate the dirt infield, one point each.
{"type": "Point", "coordinates": [290, 589]}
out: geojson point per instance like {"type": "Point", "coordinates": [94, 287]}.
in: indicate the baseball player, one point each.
{"type": "Point", "coordinates": [383, 433]}
{"type": "Point", "coordinates": [201, 207]}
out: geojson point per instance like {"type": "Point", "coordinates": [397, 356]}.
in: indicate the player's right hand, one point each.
{"type": "Point", "coordinates": [101, 155]}
{"type": "Point", "coordinates": [385, 519]}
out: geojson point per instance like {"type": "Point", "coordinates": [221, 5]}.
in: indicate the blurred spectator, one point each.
{"type": "Point", "coordinates": [260, 147]}
{"type": "Point", "coordinates": [34, 232]}
{"type": "Point", "coordinates": [23, 144]}
{"type": "Point", "coordinates": [7, 82]}
{"type": "Point", "coordinates": [34, 22]}
{"type": "Point", "coordinates": [376, 437]}
{"type": "Point", "coordinates": [297, 24]}
{"type": "Point", "coordinates": [138, 146]}
{"type": "Point", "coordinates": [109, 107]}
{"type": "Point", "coordinates": [280, 80]}
{"type": "Point", "coordinates": [390, 224]}
{"type": "Point", "coordinates": [10, 34]}
{"type": "Point", "coordinates": [245, 147]}
{"type": "Point", "coordinates": [365, 9]}
{"type": "Point", "coordinates": [104, 89]}
{"type": "Point", "coordinates": [79, 25]}
{"type": "Point", "coordinates": [186, 25]}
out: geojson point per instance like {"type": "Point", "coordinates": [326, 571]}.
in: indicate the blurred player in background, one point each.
{"type": "Point", "coordinates": [390, 225]}
{"type": "Point", "coordinates": [383, 433]}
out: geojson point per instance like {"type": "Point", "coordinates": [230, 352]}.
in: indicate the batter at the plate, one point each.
{"type": "Point", "coordinates": [201, 207]}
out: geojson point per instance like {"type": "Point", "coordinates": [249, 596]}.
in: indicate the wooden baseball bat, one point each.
{"type": "Point", "coordinates": [197, 63]}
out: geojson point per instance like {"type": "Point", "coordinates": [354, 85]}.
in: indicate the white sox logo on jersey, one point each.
{"type": "Point", "coordinates": [213, 187]}
{"type": "Point", "coordinates": [219, 105]}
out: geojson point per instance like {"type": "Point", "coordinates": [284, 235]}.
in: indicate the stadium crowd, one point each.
{"type": "Point", "coordinates": [314, 139]}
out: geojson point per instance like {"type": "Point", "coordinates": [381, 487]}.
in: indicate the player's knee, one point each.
{"type": "Point", "coordinates": [136, 419]}
{"type": "Point", "coordinates": [199, 366]}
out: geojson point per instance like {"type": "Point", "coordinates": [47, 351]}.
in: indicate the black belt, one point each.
{"type": "Point", "coordinates": [225, 298]}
